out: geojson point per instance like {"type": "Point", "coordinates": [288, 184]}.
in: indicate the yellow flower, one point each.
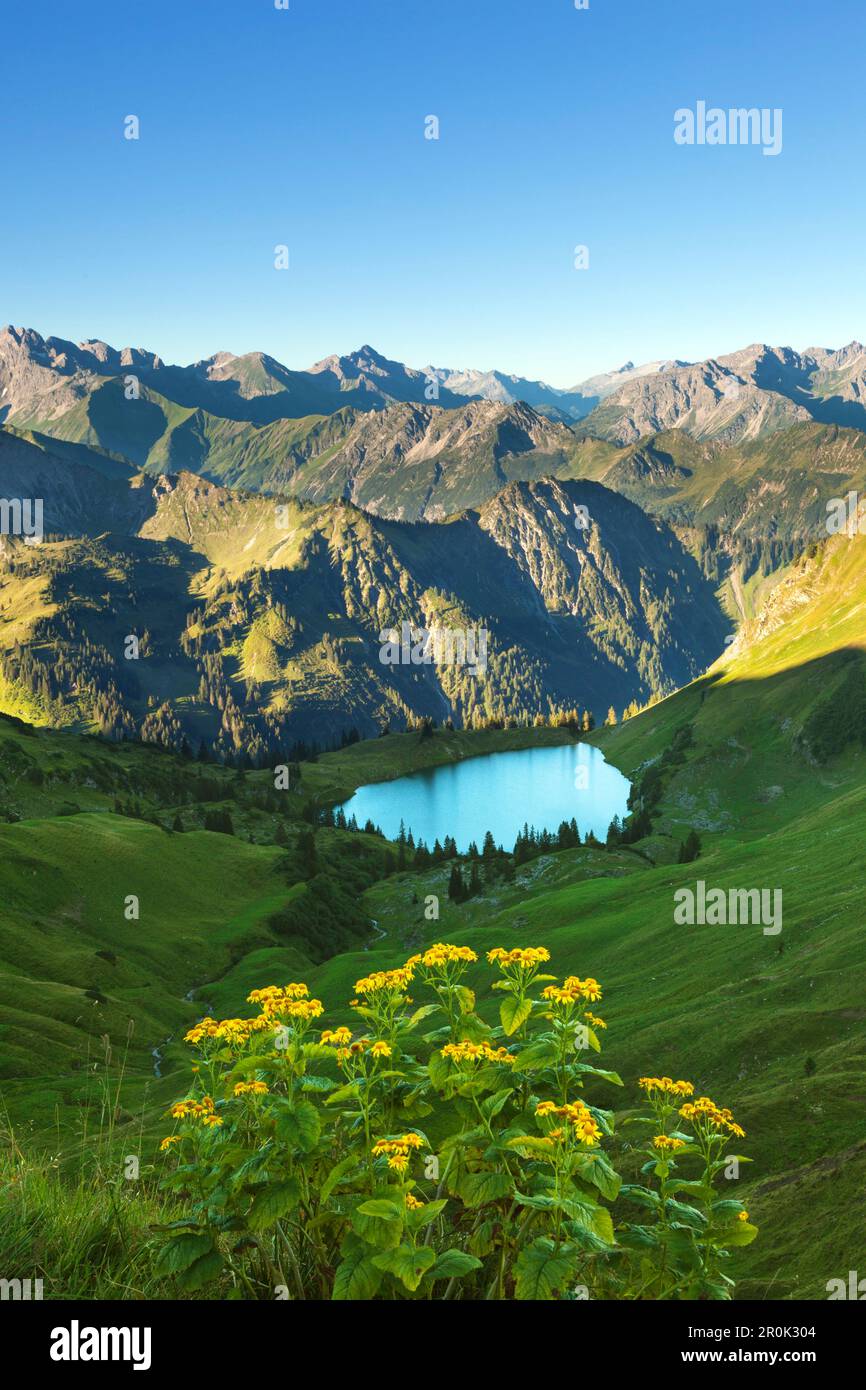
{"type": "Point", "coordinates": [191, 1108]}
{"type": "Point", "coordinates": [380, 1049]}
{"type": "Point", "coordinates": [526, 958]}
{"type": "Point", "coordinates": [666, 1086]}
{"type": "Point", "coordinates": [205, 1028]}
{"type": "Point", "coordinates": [396, 980]}
{"type": "Point", "coordinates": [664, 1143]}
{"type": "Point", "coordinates": [337, 1037]}
{"type": "Point", "coordinates": [707, 1110]}
{"type": "Point", "coordinates": [251, 1088]}
{"type": "Point", "coordinates": [743, 1216]}
{"type": "Point", "coordinates": [477, 1052]}
{"type": "Point", "coordinates": [579, 1116]}
{"type": "Point", "coordinates": [167, 1142]}
{"type": "Point", "coordinates": [442, 954]}
{"type": "Point", "coordinates": [273, 993]}
{"type": "Point", "coordinates": [412, 1202]}
{"type": "Point", "coordinates": [399, 1147]}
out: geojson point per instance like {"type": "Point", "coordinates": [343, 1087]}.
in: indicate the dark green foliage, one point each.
{"type": "Point", "coordinates": [840, 718]}
{"type": "Point", "coordinates": [690, 848]}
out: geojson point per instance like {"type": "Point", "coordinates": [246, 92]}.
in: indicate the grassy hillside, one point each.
{"type": "Point", "coordinates": [775, 1025]}
{"type": "Point", "coordinates": [772, 774]}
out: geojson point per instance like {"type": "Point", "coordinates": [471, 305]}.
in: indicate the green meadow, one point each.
{"type": "Point", "coordinates": [770, 1025]}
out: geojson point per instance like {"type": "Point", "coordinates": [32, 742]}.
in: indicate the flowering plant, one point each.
{"type": "Point", "coordinates": [462, 1162]}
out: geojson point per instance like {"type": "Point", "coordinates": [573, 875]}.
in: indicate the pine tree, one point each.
{"type": "Point", "coordinates": [456, 886]}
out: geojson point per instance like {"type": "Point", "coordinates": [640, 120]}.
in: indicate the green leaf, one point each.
{"type": "Point", "coordinates": [537, 1054]}
{"type": "Point", "coordinates": [590, 1217]}
{"type": "Point", "coordinates": [381, 1207]}
{"type": "Point", "coordinates": [612, 1076]}
{"type": "Point", "coordinates": [513, 1012]}
{"type": "Point", "coordinates": [382, 1231]}
{"type": "Point", "coordinates": [300, 1126]}
{"type": "Point", "coordinates": [531, 1144]}
{"type": "Point", "coordinates": [690, 1216]}
{"type": "Point", "coordinates": [743, 1233]}
{"type": "Point", "coordinates": [356, 1277]}
{"type": "Point", "coordinates": [336, 1175]}
{"type": "Point", "coordinates": [465, 998]}
{"type": "Point", "coordinates": [476, 1189]}
{"type": "Point", "coordinates": [424, 1012]}
{"type": "Point", "coordinates": [644, 1196]}
{"type": "Point", "coordinates": [439, 1069]}
{"type": "Point", "coordinates": [598, 1170]}
{"type": "Point", "coordinates": [542, 1271]}
{"type": "Point", "coordinates": [539, 1202]}
{"type": "Point", "coordinates": [344, 1093]}
{"type": "Point", "coordinates": [317, 1083]}
{"type": "Point", "coordinates": [493, 1104]}
{"type": "Point", "coordinates": [274, 1201]}
{"type": "Point", "coordinates": [406, 1264]}
{"type": "Point", "coordinates": [453, 1264]}
{"type": "Point", "coordinates": [201, 1271]}
{"type": "Point", "coordinates": [183, 1251]}
{"type": "Point", "coordinates": [419, 1217]}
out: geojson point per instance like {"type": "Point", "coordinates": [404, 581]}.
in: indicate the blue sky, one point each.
{"type": "Point", "coordinates": [306, 128]}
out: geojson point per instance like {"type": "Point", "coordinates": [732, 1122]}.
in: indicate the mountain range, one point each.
{"type": "Point", "coordinates": [161, 485]}
{"type": "Point", "coordinates": [739, 395]}
{"type": "Point", "coordinates": [259, 622]}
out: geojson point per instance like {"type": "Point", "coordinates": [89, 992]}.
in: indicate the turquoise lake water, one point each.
{"type": "Point", "coordinates": [498, 792]}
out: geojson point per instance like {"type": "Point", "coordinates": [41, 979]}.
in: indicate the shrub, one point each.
{"type": "Point", "coordinates": [464, 1162]}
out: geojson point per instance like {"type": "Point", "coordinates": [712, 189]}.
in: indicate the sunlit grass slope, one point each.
{"type": "Point", "coordinates": [771, 1025]}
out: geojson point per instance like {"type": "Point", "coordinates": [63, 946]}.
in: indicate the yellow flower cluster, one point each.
{"type": "Point", "coordinates": [664, 1084]}
{"type": "Point", "coordinates": [251, 1088]}
{"type": "Point", "coordinates": [384, 980]}
{"type": "Point", "coordinates": [596, 1022]}
{"type": "Point", "coordinates": [167, 1142]}
{"type": "Point", "coordinates": [273, 992]}
{"type": "Point", "coordinates": [337, 1037]}
{"type": "Point", "coordinates": [206, 1028]}
{"type": "Point", "coordinates": [578, 1116]}
{"type": "Point", "coordinates": [665, 1144]}
{"type": "Point", "coordinates": [292, 1008]}
{"type": "Point", "coordinates": [398, 1151]}
{"type": "Point", "coordinates": [530, 956]}
{"type": "Point", "coordinates": [477, 1052]}
{"type": "Point", "coordinates": [412, 1203]}
{"type": "Point", "coordinates": [196, 1110]}
{"type": "Point", "coordinates": [707, 1110]}
{"type": "Point", "coordinates": [573, 990]}
{"type": "Point", "coordinates": [234, 1031]}
{"type": "Point", "coordinates": [442, 954]}
{"type": "Point", "coordinates": [346, 1049]}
